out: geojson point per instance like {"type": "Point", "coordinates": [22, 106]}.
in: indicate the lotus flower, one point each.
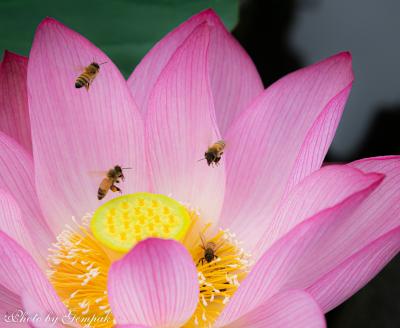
{"type": "Point", "coordinates": [287, 239]}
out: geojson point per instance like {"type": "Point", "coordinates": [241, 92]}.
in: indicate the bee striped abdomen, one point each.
{"type": "Point", "coordinates": [101, 193]}
{"type": "Point", "coordinates": [82, 80]}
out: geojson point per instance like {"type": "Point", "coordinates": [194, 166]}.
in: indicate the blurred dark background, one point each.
{"type": "Point", "coordinates": [283, 35]}
{"type": "Point", "coordinates": [280, 36]}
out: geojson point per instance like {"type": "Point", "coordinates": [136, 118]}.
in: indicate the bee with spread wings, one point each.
{"type": "Point", "coordinates": [111, 177]}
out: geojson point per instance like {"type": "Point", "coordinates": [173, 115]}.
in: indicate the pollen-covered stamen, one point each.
{"type": "Point", "coordinates": [81, 258]}
{"type": "Point", "coordinates": [78, 271]}
{"type": "Point", "coordinates": [218, 278]}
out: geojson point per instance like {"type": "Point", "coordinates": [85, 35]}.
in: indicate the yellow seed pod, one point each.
{"type": "Point", "coordinates": [124, 221]}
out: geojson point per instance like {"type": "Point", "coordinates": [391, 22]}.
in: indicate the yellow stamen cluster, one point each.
{"type": "Point", "coordinates": [81, 258]}
{"type": "Point", "coordinates": [78, 271]}
{"type": "Point", "coordinates": [219, 278]}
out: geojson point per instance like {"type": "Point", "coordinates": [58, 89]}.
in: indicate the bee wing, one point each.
{"type": "Point", "coordinates": [202, 240]}
{"type": "Point", "coordinates": [220, 244]}
{"type": "Point", "coordinates": [97, 174]}
{"type": "Point", "coordinates": [222, 144]}
{"type": "Point", "coordinates": [79, 69]}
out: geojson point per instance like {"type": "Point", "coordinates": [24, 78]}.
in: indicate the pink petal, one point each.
{"type": "Point", "coordinates": [319, 138]}
{"type": "Point", "coordinates": [376, 216]}
{"type": "Point", "coordinates": [234, 79]}
{"type": "Point", "coordinates": [12, 223]}
{"type": "Point", "coordinates": [266, 145]}
{"type": "Point", "coordinates": [381, 212]}
{"type": "Point", "coordinates": [14, 308]}
{"type": "Point", "coordinates": [180, 126]}
{"type": "Point", "coordinates": [14, 114]}
{"type": "Point", "coordinates": [17, 179]}
{"type": "Point", "coordinates": [154, 285]}
{"type": "Point", "coordinates": [298, 259]}
{"type": "Point", "coordinates": [322, 189]}
{"type": "Point", "coordinates": [33, 308]}
{"type": "Point", "coordinates": [356, 271]}
{"type": "Point", "coordinates": [8, 300]}
{"type": "Point", "coordinates": [21, 276]}
{"type": "Point", "coordinates": [288, 309]}
{"type": "Point", "coordinates": [75, 131]}
{"type": "Point", "coordinates": [9, 304]}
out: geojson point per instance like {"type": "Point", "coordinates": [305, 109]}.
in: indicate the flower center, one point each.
{"type": "Point", "coordinates": [124, 221]}
{"type": "Point", "coordinates": [83, 254]}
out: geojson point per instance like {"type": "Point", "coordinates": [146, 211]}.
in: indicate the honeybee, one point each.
{"type": "Point", "coordinates": [88, 75]}
{"type": "Point", "coordinates": [108, 183]}
{"type": "Point", "coordinates": [209, 251]}
{"type": "Point", "coordinates": [214, 153]}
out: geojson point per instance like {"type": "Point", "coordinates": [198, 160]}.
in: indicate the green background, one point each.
{"type": "Point", "coordinates": [124, 30]}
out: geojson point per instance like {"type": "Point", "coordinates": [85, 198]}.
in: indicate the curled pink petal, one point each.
{"type": "Point", "coordinates": [14, 226]}
{"type": "Point", "coordinates": [17, 179]}
{"type": "Point", "coordinates": [154, 285]}
{"type": "Point", "coordinates": [21, 276]}
{"type": "Point", "coordinates": [264, 144]}
{"type": "Point", "coordinates": [181, 125]}
{"type": "Point", "coordinates": [14, 113]}
{"type": "Point", "coordinates": [234, 78]}
{"type": "Point", "coordinates": [294, 309]}
{"type": "Point", "coordinates": [322, 189]}
{"type": "Point", "coordinates": [299, 258]}
{"type": "Point", "coordinates": [380, 213]}
{"type": "Point", "coordinates": [75, 131]}
{"type": "Point", "coordinates": [356, 271]}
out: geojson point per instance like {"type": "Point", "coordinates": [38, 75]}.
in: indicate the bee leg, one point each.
{"type": "Point", "coordinates": [114, 188]}
{"type": "Point", "coordinates": [87, 85]}
{"type": "Point", "coordinates": [117, 181]}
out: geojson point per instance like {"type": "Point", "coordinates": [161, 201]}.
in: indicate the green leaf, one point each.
{"type": "Point", "coordinates": [123, 29]}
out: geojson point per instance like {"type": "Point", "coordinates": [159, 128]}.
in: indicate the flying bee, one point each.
{"type": "Point", "coordinates": [209, 251]}
{"type": "Point", "coordinates": [108, 183]}
{"type": "Point", "coordinates": [214, 153]}
{"type": "Point", "coordinates": [88, 75]}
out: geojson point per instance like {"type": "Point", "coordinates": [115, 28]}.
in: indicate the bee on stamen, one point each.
{"type": "Point", "coordinates": [209, 251]}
